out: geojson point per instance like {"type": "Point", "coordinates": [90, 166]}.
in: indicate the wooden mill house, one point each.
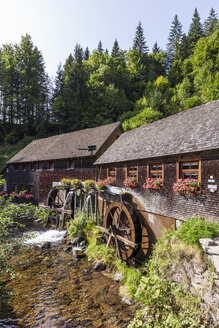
{"type": "Point", "coordinates": [184, 145]}
{"type": "Point", "coordinates": [45, 161]}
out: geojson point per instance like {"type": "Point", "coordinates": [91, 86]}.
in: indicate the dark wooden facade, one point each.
{"type": "Point", "coordinates": [166, 202]}
{"type": "Point", "coordinates": [181, 146]}
{"type": "Point", "coordinates": [36, 171]}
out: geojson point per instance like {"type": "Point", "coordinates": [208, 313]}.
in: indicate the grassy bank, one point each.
{"type": "Point", "coordinates": [162, 302]}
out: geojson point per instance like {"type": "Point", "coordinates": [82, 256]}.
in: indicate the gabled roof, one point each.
{"type": "Point", "coordinates": [66, 145]}
{"type": "Point", "coordinates": [195, 129]}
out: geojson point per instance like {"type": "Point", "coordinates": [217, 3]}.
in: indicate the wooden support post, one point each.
{"type": "Point", "coordinates": [91, 207]}
{"type": "Point", "coordinates": [87, 204]}
{"type": "Point", "coordinates": [75, 202]}
{"type": "Point", "coordinates": [96, 206]}
{"type": "Point", "coordinates": [80, 199]}
{"type": "Point", "coordinates": [103, 204]}
{"type": "Point", "coordinates": [63, 221]}
{"type": "Point", "coordinates": [57, 220]}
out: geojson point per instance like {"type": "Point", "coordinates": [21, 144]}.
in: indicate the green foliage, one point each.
{"type": "Point", "coordinates": [195, 228]}
{"type": "Point", "coordinates": [9, 216]}
{"type": "Point", "coordinates": [195, 31]}
{"type": "Point", "coordinates": [97, 88]}
{"type": "Point", "coordinates": [24, 86]}
{"type": "Point", "coordinates": [80, 225]}
{"type": "Point", "coordinates": [89, 184]}
{"type": "Point", "coordinates": [166, 303]}
{"type": "Point", "coordinates": [174, 39]}
{"type": "Point", "coordinates": [211, 24]}
{"type": "Point", "coordinates": [162, 303]}
{"type": "Point", "coordinates": [146, 116]}
{"type": "Point", "coordinates": [7, 151]}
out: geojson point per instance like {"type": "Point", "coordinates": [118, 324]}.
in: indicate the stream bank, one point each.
{"type": "Point", "coordinates": [55, 290]}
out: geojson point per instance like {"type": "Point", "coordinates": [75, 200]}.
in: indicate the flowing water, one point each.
{"type": "Point", "coordinates": [55, 290]}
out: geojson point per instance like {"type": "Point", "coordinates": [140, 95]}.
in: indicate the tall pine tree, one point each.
{"type": "Point", "coordinates": [115, 49]}
{"type": "Point", "coordinates": [211, 23]}
{"type": "Point", "coordinates": [174, 40]}
{"type": "Point", "coordinates": [100, 47]}
{"type": "Point", "coordinates": [195, 31]}
{"type": "Point", "coordinates": [86, 54]}
{"type": "Point", "coordinates": [139, 43]}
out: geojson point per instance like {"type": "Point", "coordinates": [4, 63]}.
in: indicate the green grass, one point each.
{"type": "Point", "coordinates": [162, 303]}
{"type": "Point", "coordinates": [194, 229]}
{"type": "Point", "coordinates": [80, 225]}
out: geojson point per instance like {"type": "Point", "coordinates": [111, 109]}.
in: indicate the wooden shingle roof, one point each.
{"type": "Point", "coordinates": [195, 129]}
{"type": "Point", "coordinates": [66, 145]}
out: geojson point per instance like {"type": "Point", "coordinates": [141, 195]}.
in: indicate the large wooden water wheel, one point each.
{"type": "Point", "coordinates": [122, 229]}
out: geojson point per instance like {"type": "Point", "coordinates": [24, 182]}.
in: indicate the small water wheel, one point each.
{"type": "Point", "coordinates": [61, 203]}
{"type": "Point", "coordinates": [56, 198]}
{"type": "Point", "coordinates": [123, 229]}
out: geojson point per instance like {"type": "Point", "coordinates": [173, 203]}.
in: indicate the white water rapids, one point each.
{"type": "Point", "coordinates": [51, 236]}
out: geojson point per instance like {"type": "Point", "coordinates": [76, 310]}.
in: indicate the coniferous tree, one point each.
{"type": "Point", "coordinates": [74, 91]}
{"type": "Point", "coordinates": [100, 47]}
{"type": "Point", "coordinates": [174, 40]}
{"type": "Point", "coordinates": [195, 31]}
{"type": "Point", "coordinates": [139, 43]}
{"type": "Point", "coordinates": [155, 49]}
{"type": "Point", "coordinates": [115, 49]}
{"type": "Point", "coordinates": [58, 82]}
{"type": "Point", "coordinates": [184, 47]}
{"type": "Point", "coordinates": [211, 23]}
{"type": "Point", "coordinates": [137, 58]}
{"type": "Point", "coordinates": [86, 54]}
{"type": "Point", "coordinates": [24, 85]}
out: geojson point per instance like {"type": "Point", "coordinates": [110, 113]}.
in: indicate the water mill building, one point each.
{"type": "Point", "coordinates": [45, 161]}
{"type": "Point", "coordinates": [181, 146]}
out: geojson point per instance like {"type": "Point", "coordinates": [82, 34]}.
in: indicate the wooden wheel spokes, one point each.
{"type": "Point", "coordinates": [121, 228]}
{"type": "Point", "coordinates": [55, 198]}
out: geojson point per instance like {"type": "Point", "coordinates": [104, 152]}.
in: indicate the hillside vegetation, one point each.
{"type": "Point", "coordinates": [134, 86]}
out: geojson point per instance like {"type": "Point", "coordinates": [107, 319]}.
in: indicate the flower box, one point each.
{"type": "Point", "coordinates": [101, 186]}
{"type": "Point", "coordinates": [188, 187]}
{"type": "Point", "coordinates": [76, 184]}
{"type": "Point", "coordinates": [110, 181]}
{"type": "Point", "coordinates": [131, 183]}
{"type": "Point", "coordinates": [153, 184]}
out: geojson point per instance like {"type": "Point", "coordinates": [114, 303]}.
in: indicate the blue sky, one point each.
{"type": "Point", "coordinates": [57, 25]}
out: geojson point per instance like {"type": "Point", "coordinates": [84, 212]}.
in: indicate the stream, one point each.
{"type": "Point", "coordinates": [55, 290]}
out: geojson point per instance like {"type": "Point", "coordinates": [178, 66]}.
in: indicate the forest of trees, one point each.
{"type": "Point", "coordinates": [133, 86]}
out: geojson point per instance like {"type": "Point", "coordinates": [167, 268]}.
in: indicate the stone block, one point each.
{"type": "Point", "coordinates": [198, 279]}
{"type": "Point", "coordinates": [215, 260]}
{"type": "Point", "coordinates": [199, 268]}
{"type": "Point", "coordinates": [206, 242]}
{"type": "Point", "coordinates": [214, 250]}
{"type": "Point", "coordinates": [216, 281]}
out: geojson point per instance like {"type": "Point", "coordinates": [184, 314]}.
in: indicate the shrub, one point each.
{"type": "Point", "coordinates": [80, 225]}
{"type": "Point", "coordinates": [195, 228]}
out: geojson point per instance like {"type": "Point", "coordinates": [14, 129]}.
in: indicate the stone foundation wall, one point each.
{"type": "Point", "coordinates": [201, 276]}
